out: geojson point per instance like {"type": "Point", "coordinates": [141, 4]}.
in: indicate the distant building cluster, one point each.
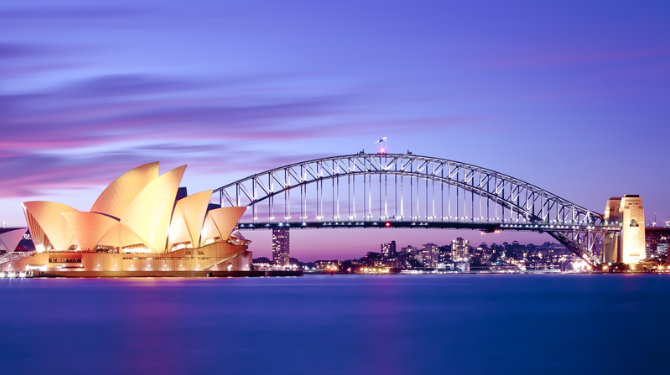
{"type": "Point", "coordinates": [657, 243]}
{"type": "Point", "coordinates": [460, 255]}
{"type": "Point", "coordinates": [457, 256]}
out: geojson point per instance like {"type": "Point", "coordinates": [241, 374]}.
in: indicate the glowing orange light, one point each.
{"type": "Point", "coordinates": [387, 224]}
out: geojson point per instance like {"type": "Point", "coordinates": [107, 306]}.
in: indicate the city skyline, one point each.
{"type": "Point", "coordinates": [457, 256]}
{"type": "Point", "coordinates": [351, 187]}
{"type": "Point", "coordinates": [552, 98]}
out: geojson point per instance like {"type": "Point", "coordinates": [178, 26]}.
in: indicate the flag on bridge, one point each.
{"type": "Point", "coordinates": [381, 140]}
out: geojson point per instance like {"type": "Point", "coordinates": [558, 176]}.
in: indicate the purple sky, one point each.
{"type": "Point", "coordinates": [572, 96]}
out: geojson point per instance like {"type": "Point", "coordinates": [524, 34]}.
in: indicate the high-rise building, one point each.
{"type": "Point", "coordinates": [280, 247]}
{"type": "Point", "coordinates": [460, 250]}
{"type": "Point", "coordinates": [388, 249]}
{"type": "Point", "coordinates": [430, 255]}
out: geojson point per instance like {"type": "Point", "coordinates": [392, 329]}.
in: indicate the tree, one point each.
{"type": "Point", "coordinates": [619, 267]}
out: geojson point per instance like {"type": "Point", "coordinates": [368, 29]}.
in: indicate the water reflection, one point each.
{"type": "Point", "coordinates": [343, 324]}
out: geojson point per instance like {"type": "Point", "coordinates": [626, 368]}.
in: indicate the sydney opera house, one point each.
{"type": "Point", "coordinates": [143, 224]}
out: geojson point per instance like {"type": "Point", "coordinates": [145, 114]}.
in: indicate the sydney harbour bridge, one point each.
{"type": "Point", "coordinates": [410, 191]}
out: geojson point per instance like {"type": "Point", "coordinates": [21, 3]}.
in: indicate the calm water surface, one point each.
{"type": "Point", "coordinates": [453, 324]}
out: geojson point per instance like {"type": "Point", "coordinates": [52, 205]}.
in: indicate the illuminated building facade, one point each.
{"type": "Point", "coordinates": [429, 255]}
{"type": "Point", "coordinates": [658, 241]}
{"type": "Point", "coordinates": [280, 247]}
{"type": "Point", "coordinates": [409, 250]}
{"type": "Point", "coordinates": [460, 250]}
{"type": "Point", "coordinates": [136, 226]}
{"type": "Point", "coordinates": [327, 265]}
{"type": "Point", "coordinates": [388, 249]}
{"type": "Point", "coordinates": [627, 246]}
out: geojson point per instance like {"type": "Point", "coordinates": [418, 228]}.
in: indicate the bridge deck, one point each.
{"type": "Point", "coordinates": [488, 227]}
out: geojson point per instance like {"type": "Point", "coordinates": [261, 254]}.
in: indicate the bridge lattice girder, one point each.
{"type": "Point", "coordinates": [575, 226]}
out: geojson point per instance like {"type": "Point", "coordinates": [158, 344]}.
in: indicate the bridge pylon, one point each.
{"type": "Point", "coordinates": [627, 245]}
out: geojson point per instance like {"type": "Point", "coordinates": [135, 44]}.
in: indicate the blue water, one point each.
{"type": "Point", "coordinates": [452, 324]}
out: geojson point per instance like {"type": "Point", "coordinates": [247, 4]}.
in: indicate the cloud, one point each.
{"type": "Point", "coordinates": [33, 175]}
{"type": "Point", "coordinates": [127, 84]}
{"type": "Point", "coordinates": [20, 60]}
{"type": "Point", "coordinates": [136, 105]}
{"type": "Point", "coordinates": [82, 133]}
{"type": "Point", "coordinates": [566, 58]}
{"type": "Point", "coordinates": [42, 13]}
{"type": "Point", "coordinates": [19, 50]}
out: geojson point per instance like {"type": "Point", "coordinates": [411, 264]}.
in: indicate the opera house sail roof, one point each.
{"type": "Point", "coordinates": [138, 212]}
{"type": "Point", "coordinates": [10, 238]}
{"type": "Point", "coordinates": [118, 196]}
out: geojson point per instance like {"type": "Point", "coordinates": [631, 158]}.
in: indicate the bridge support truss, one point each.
{"type": "Point", "coordinates": [410, 190]}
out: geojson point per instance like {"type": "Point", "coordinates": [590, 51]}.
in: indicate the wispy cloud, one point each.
{"type": "Point", "coordinates": [63, 13]}
{"type": "Point", "coordinates": [119, 121]}
{"type": "Point", "coordinates": [20, 50]}
{"type": "Point", "coordinates": [552, 58]}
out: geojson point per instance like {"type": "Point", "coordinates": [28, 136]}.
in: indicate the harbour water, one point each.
{"type": "Point", "coordinates": [396, 324]}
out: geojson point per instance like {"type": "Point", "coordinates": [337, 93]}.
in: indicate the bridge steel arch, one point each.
{"type": "Point", "coordinates": [517, 204]}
